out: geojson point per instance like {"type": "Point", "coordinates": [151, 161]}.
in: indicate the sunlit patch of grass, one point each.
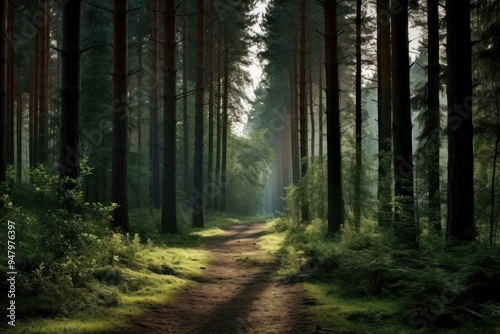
{"type": "Point", "coordinates": [254, 258]}
{"type": "Point", "coordinates": [334, 311]}
{"type": "Point", "coordinates": [156, 271]}
{"type": "Point", "coordinates": [158, 275]}
{"type": "Point", "coordinates": [215, 224]}
{"type": "Point", "coordinates": [206, 233]}
{"type": "Point", "coordinates": [182, 262]}
{"type": "Point", "coordinates": [221, 220]}
{"type": "Point", "coordinates": [272, 242]}
{"type": "Point", "coordinates": [348, 314]}
{"type": "Point", "coordinates": [66, 326]}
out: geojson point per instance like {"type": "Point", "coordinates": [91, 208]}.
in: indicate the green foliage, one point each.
{"type": "Point", "coordinates": [430, 287]}
{"type": "Point", "coordinates": [72, 265]}
{"type": "Point", "coordinates": [55, 249]}
{"type": "Point", "coordinates": [312, 187]}
{"type": "Point", "coordinates": [248, 167]}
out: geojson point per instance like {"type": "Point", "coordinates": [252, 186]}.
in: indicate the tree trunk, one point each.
{"type": "Point", "coordinates": [19, 139]}
{"type": "Point", "coordinates": [185, 113]}
{"type": "Point", "coordinates": [320, 103]}
{"type": "Point", "coordinates": [211, 82]}
{"type": "Point", "coordinates": [311, 110]}
{"type": "Point", "coordinates": [494, 175]}
{"type": "Point", "coordinates": [225, 124]}
{"type": "Point", "coordinates": [10, 85]}
{"type": "Point", "coordinates": [433, 120]}
{"type": "Point", "coordinates": [198, 195]}
{"type": "Point", "coordinates": [169, 214]}
{"type": "Point", "coordinates": [460, 224]}
{"type": "Point", "coordinates": [336, 215]}
{"type": "Point", "coordinates": [286, 158]}
{"type": "Point", "coordinates": [3, 88]}
{"type": "Point", "coordinates": [295, 124]}
{"type": "Point", "coordinates": [36, 88]}
{"type": "Point", "coordinates": [44, 86]}
{"type": "Point", "coordinates": [155, 157]}
{"type": "Point", "coordinates": [359, 122]}
{"type": "Point", "coordinates": [303, 106]}
{"type": "Point", "coordinates": [140, 129]}
{"type": "Point", "coordinates": [120, 116]}
{"type": "Point", "coordinates": [218, 133]}
{"type": "Point", "coordinates": [384, 195]}
{"type": "Point", "coordinates": [70, 99]}
{"type": "Point", "coordinates": [31, 109]}
{"type": "Point", "coordinates": [404, 217]}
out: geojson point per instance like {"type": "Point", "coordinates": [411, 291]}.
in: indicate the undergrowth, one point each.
{"type": "Point", "coordinates": [76, 275]}
{"type": "Point", "coordinates": [395, 289]}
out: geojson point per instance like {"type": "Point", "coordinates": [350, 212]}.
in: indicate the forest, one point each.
{"type": "Point", "coordinates": [250, 166]}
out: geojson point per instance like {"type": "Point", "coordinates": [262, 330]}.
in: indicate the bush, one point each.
{"type": "Point", "coordinates": [58, 252]}
{"type": "Point", "coordinates": [433, 287]}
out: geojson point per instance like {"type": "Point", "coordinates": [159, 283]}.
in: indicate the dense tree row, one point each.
{"type": "Point", "coordinates": [50, 116]}
{"type": "Point", "coordinates": [98, 79]}
{"type": "Point", "coordinates": [409, 146]}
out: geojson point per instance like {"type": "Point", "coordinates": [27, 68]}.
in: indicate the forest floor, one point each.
{"type": "Point", "coordinates": [238, 294]}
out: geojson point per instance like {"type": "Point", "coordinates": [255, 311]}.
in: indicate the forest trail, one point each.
{"type": "Point", "coordinates": [236, 295]}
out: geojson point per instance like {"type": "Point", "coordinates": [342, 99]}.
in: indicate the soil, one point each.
{"type": "Point", "coordinates": [236, 295]}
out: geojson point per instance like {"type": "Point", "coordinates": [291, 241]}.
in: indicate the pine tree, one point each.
{"type": "Point", "coordinates": [3, 88]}
{"type": "Point", "coordinates": [402, 128]}
{"type": "Point", "coordinates": [70, 100]}
{"type": "Point", "coordinates": [120, 116]}
{"type": "Point", "coordinates": [169, 214]}
{"type": "Point", "coordinates": [154, 85]}
{"type": "Point", "coordinates": [336, 215]}
{"type": "Point", "coordinates": [198, 196]}
{"type": "Point", "coordinates": [384, 112]}
{"type": "Point", "coordinates": [460, 224]}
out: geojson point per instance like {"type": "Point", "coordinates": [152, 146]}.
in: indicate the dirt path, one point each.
{"type": "Point", "coordinates": [235, 296]}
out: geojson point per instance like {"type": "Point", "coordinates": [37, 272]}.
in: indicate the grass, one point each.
{"type": "Point", "coordinates": [344, 315]}
{"type": "Point", "coordinates": [134, 291]}
{"type": "Point", "coordinates": [273, 240]}
{"type": "Point", "coordinates": [332, 310]}
{"type": "Point", "coordinates": [161, 269]}
{"type": "Point", "coordinates": [334, 271]}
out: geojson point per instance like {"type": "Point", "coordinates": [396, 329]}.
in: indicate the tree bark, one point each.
{"type": "Point", "coordinates": [36, 88]}
{"type": "Point", "coordinates": [70, 99]}
{"type": "Point", "coordinates": [225, 124]}
{"type": "Point", "coordinates": [303, 106]}
{"type": "Point", "coordinates": [320, 104]}
{"type": "Point", "coordinates": [460, 223]}
{"type": "Point", "coordinates": [155, 157]}
{"type": "Point", "coordinates": [384, 196]}
{"type": "Point", "coordinates": [169, 212]}
{"type": "Point", "coordinates": [10, 85]}
{"type": "Point", "coordinates": [295, 124]}
{"type": "Point", "coordinates": [140, 129]}
{"type": "Point", "coordinates": [336, 213]}
{"type": "Point", "coordinates": [311, 111]}
{"type": "Point", "coordinates": [218, 131]}
{"type": "Point", "coordinates": [198, 195]}
{"type": "Point", "coordinates": [211, 82]}
{"type": "Point", "coordinates": [404, 217]}
{"type": "Point", "coordinates": [31, 108]}
{"type": "Point", "coordinates": [3, 88]}
{"type": "Point", "coordinates": [432, 125]}
{"type": "Point", "coordinates": [44, 86]}
{"type": "Point", "coordinates": [494, 175]}
{"type": "Point", "coordinates": [359, 122]}
{"type": "Point", "coordinates": [185, 112]}
{"type": "Point", "coordinates": [19, 137]}
{"type": "Point", "coordinates": [120, 116]}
